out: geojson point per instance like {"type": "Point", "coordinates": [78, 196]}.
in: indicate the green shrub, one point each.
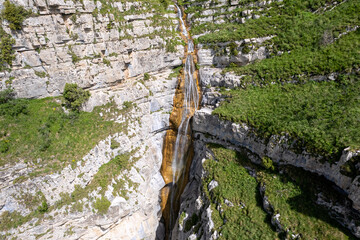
{"type": "Point", "coordinates": [45, 139]}
{"type": "Point", "coordinates": [114, 144]}
{"type": "Point", "coordinates": [165, 3]}
{"type": "Point", "coordinates": [74, 96]}
{"type": "Point", "coordinates": [233, 49]}
{"type": "Point", "coordinates": [40, 74]}
{"type": "Point", "coordinates": [6, 51]}
{"type": "Point", "coordinates": [106, 62]}
{"type": "Point", "coordinates": [14, 107]}
{"type": "Point", "coordinates": [146, 76]}
{"type": "Point", "coordinates": [127, 104]}
{"type": "Point", "coordinates": [6, 95]}
{"type": "Point", "coordinates": [102, 205]}
{"type": "Point", "coordinates": [15, 15]}
{"type": "Point", "coordinates": [268, 163]}
{"type": "Point", "coordinates": [43, 208]}
{"type": "Point", "coordinates": [4, 146]}
{"type": "Point", "coordinates": [351, 168]}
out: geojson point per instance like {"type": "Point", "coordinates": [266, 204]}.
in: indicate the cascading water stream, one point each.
{"type": "Point", "coordinates": [178, 142]}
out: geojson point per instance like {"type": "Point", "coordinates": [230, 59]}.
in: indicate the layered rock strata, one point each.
{"type": "Point", "coordinates": [132, 216]}
{"type": "Point", "coordinates": [72, 42]}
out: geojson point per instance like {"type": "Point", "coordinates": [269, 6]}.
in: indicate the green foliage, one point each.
{"type": "Point", "coordinates": [14, 107]}
{"type": "Point", "coordinates": [107, 173]}
{"type": "Point", "coordinates": [341, 56]}
{"type": "Point", "coordinates": [14, 219]}
{"type": "Point", "coordinates": [6, 95]}
{"type": "Point", "coordinates": [246, 218]}
{"type": "Point", "coordinates": [10, 106]}
{"type": "Point", "coordinates": [54, 138]}
{"type": "Point", "coordinates": [146, 76]}
{"type": "Point", "coordinates": [322, 116]}
{"type": "Point", "coordinates": [102, 205]}
{"type": "Point", "coordinates": [6, 51]}
{"type": "Point", "coordinates": [74, 96]}
{"type": "Point", "coordinates": [71, 137]}
{"type": "Point", "coordinates": [74, 58]}
{"type": "Point", "coordinates": [114, 144]}
{"type": "Point", "coordinates": [41, 74]}
{"type": "Point", "coordinates": [4, 145]}
{"type": "Point", "coordinates": [171, 45]}
{"type": "Point", "coordinates": [15, 15]}
{"type": "Point", "coordinates": [43, 208]}
{"type": "Point", "coordinates": [268, 163]}
{"type": "Point", "coordinates": [292, 22]}
{"type": "Point", "coordinates": [127, 104]}
{"type": "Point", "coordinates": [233, 49]}
{"type": "Point", "coordinates": [106, 62]}
{"type": "Point", "coordinates": [165, 3]}
{"type": "Point", "coordinates": [175, 73]}
{"type": "Point", "coordinates": [11, 220]}
{"type": "Point", "coordinates": [292, 194]}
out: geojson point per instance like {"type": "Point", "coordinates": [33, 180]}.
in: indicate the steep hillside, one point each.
{"type": "Point", "coordinates": [280, 83]}
{"type": "Point", "coordinates": [92, 174]}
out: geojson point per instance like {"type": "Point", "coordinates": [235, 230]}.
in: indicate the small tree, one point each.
{"type": "Point", "coordinates": [74, 96]}
{"type": "Point", "coordinates": [6, 95]}
{"type": "Point", "coordinates": [15, 15]}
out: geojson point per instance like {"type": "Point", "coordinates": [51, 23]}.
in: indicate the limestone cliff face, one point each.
{"type": "Point", "coordinates": [72, 42]}
{"type": "Point", "coordinates": [132, 216]}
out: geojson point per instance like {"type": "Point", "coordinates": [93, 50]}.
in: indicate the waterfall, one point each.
{"type": "Point", "coordinates": [178, 142]}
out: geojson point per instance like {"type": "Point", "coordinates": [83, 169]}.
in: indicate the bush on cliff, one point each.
{"type": "Point", "coordinates": [6, 51]}
{"type": "Point", "coordinates": [75, 96]}
{"type": "Point", "coordinates": [15, 15]}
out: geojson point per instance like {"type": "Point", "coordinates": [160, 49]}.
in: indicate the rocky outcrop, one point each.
{"type": "Point", "coordinates": [194, 221]}
{"type": "Point", "coordinates": [132, 216]}
{"type": "Point", "coordinates": [239, 53]}
{"type": "Point", "coordinates": [279, 149]}
{"type": "Point", "coordinates": [72, 42]}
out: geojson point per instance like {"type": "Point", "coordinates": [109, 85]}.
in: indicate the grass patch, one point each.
{"type": "Point", "coordinates": [341, 56]}
{"type": "Point", "coordinates": [293, 199]}
{"type": "Point", "coordinates": [106, 175]}
{"type": "Point", "coordinates": [102, 205]}
{"type": "Point", "coordinates": [323, 116]}
{"type": "Point", "coordinates": [246, 218]}
{"type": "Point", "coordinates": [292, 22]}
{"type": "Point", "coordinates": [43, 131]}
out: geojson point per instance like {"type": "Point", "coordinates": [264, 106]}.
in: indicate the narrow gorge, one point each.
{"type": "Point", "coordinates": [159, 119]}
{"type": "Point", "coordinates": [178, 148]}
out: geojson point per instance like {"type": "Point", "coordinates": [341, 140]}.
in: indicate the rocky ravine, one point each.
{"type": "Point", "coordinates": [209, 128]}
{"type": "Point", "coordinates": [72, 44]}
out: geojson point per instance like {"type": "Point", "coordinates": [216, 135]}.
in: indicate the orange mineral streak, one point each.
{"type": "Point", "coordinates": [169, 145]}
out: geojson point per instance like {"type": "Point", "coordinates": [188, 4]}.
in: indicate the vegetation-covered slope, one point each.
{"type": "Point", "coordinates": [311, 40]}
{"type": "Point", "coordinates": [236, 203]}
